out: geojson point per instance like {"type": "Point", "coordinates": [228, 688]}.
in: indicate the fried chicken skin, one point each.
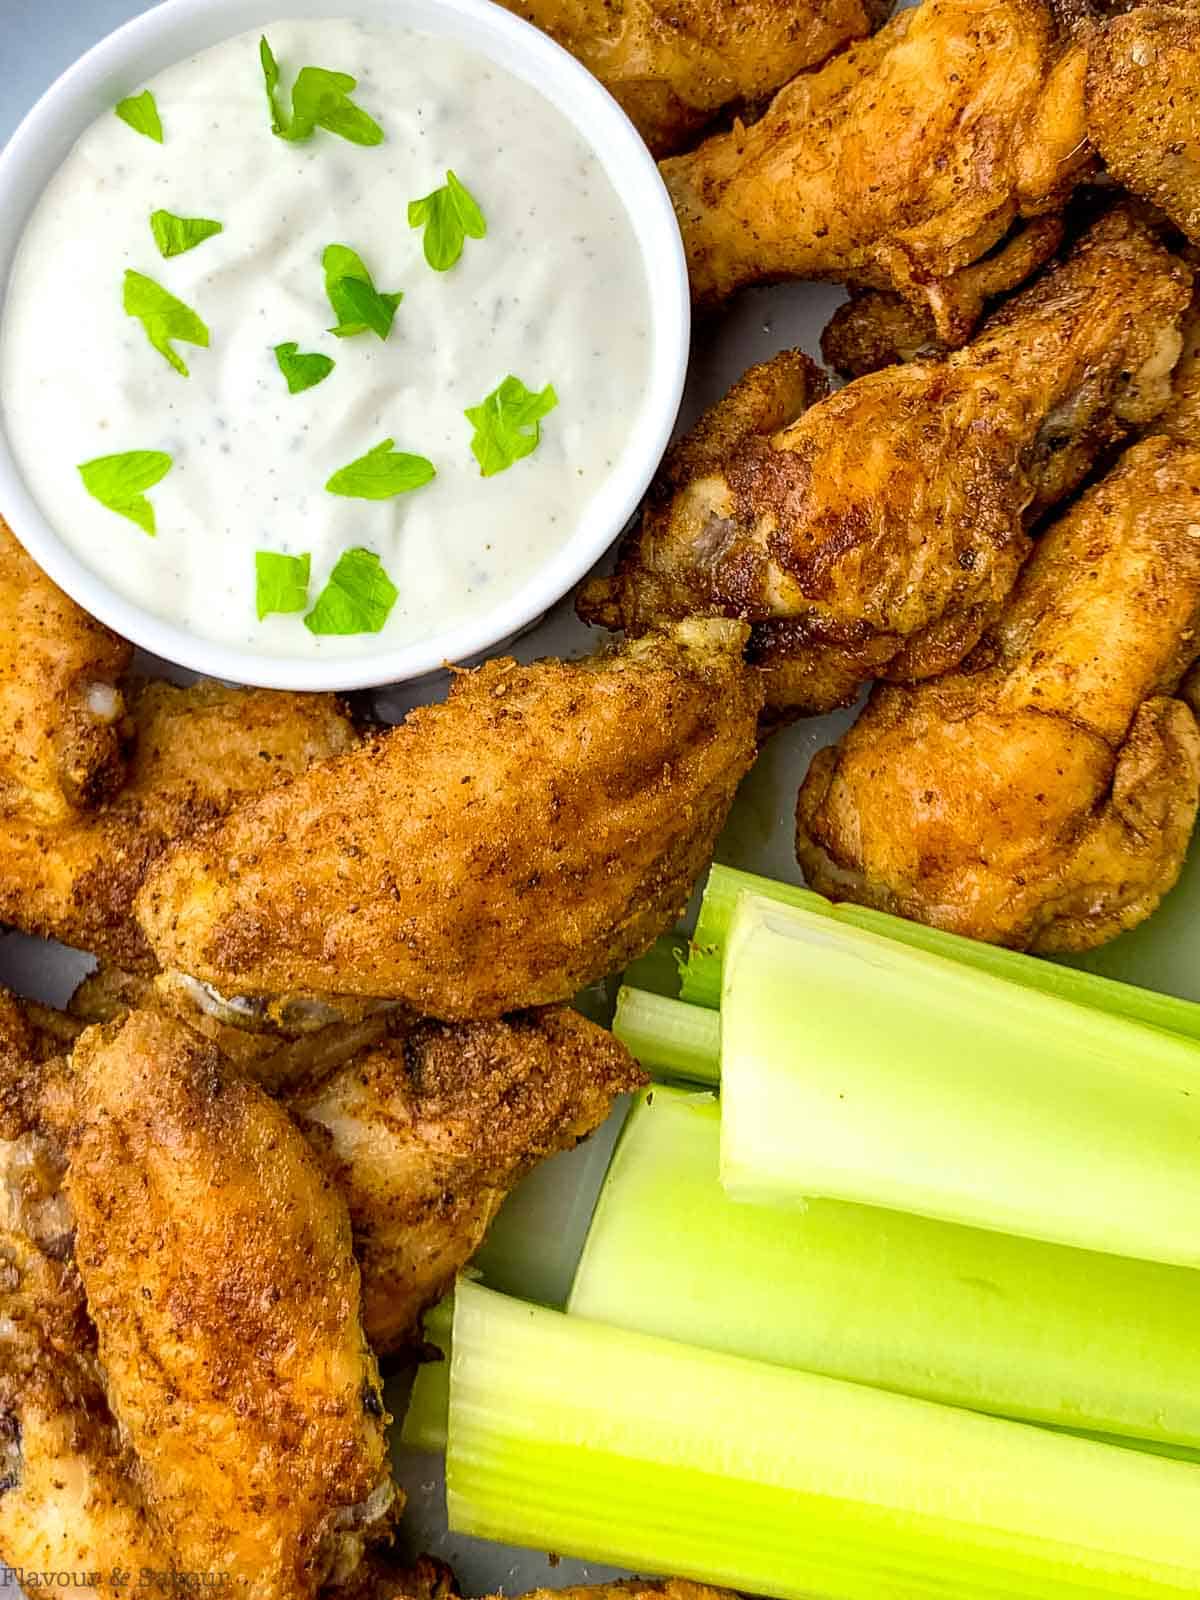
{"type": "Point", "coordinates": [675, 64]}
{"type": "Point", "coordinates": [879, 532]}
{"type": "Point", "coordinates": [1143, 106]}
{"type": "Point", "coordinates": [198, 750]}
{"type": "Point", "coordinates": [895, 165]}
{"type": "Point", "coordinates": [62, 716]}
{"type": "Point", "coordinates": [1042, 796]}
{"type": "Point", "coordinates": [216, 1259]}
{"type": "Point", "coordinates": [530, 834]}
{"type": "Point", "coordinates": [427, 1131]}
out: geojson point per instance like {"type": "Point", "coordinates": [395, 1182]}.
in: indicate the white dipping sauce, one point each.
{"type": "Point", "coordinates": [555, 294]}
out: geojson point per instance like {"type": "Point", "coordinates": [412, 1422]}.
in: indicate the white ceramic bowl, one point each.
{"type": "Point", "coordinates": [179, 28]}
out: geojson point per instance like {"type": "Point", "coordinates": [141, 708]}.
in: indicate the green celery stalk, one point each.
{"type": "Point", "coordinates": [702, 977]}
{"type": "Point", "coordinates": [669, 1038]}
{"type": "Point", "coordinates": [961, 1315]}
{"type": "Point", "coordinates": [612, 1446]}
{"type": "Point", "coordinates": [855, 1068]}
{"type": "Point", "coordinates": [424, 1425]}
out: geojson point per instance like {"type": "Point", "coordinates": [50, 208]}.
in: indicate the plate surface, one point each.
{"type": "Point", "coordinates": [1162, 954]}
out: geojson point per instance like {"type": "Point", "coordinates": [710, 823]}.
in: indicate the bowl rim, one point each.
{"type": "Point", "coordinates": [50, 129]}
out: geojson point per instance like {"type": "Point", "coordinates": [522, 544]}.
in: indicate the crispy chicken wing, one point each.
{"type": "Point", "coordinates": [530, 834]}
{"type": "Point", "coordinates": [1042, 796]}
{"type": "Point", "coordinates": [62, 715]}
{"type": "Point", "coordinates": [429, 1130]}
{"type": "Point", "coordinates": [897, 164]}
{"type": "Point", "coordinates": [198, 750]}
{"type": "Point", "coordinates": [68, 1498]}
{"type": "Point", "coordinates": [1143, 106]}
{"type": "Point", "coordinates": [878, 327]}
{"type": "Point", "coordinates": [879, 531]}
{"type": "Point", "coordinates": [216, 1257]}
{"type": "Point", "coordinates": [674, 64]}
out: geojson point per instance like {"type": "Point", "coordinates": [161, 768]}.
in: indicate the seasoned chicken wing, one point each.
{"type": "Point", "coordinates": [898, 163]}
{"type": "Point", "coordinates": [62, 715]}
{"type": "Point", "coordinates": [216, 1258]}
{"type": "Point", "coordinates": [68, 1497]}
{"type": "Point", "coordinates": [877, 327]}
{"type": "Point", "coordinates": [532, 833]}
{"type": "Point", "coordinates": [674, 64]}
{"type": "Point", "coordinates": [428, 1131]}
{"type": "Point", "coordinates": [879, 532]}
{"type": "Point", "coordinates": [1043, 795]}
{"type": "Point", "coordinates": [198, 750]}
{"type": "Point", "coordinates": [1143, 106]}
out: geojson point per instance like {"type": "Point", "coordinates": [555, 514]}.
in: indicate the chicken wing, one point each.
{"type": "Point", "coordinates": [898, 163]}
{"type": "Point", "coordinates": [62, 715]}
{"type": "Point", "coordinates": [1042, 796]}
{"type": "Point", "coordinates": [428, 1131]}
{"type": "Point", "coordinates": [216, 1258]}
{"type": "Point", "coordinates": [530, 834]}
{"type": "Point", "coordinates": [880, 531]}
{"type": "Point", "coordinates": [878, 327]}
{"type": "Point", "coordinates": [1143, 106]}
{"type": "Point", "coordinates": [198, 750]}
{"type": "Point", "coordinates": [68, 1498]}
{"type": "Point", "coordinates": [674, 64]}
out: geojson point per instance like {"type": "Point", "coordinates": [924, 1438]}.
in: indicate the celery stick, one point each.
{"type": "Point", "coordinates": [702, 977]}
{"type": "Point", "coordinates": [424, 1425]}
{"type": "Point", "coordinates": [1000, 1324]}
{"type": "Point", "coordinates": [669, 1038]}
{"type": "Point", "coordinates": [616, 1447]}
{"type": "Point", "coordinates": [855, 1068]}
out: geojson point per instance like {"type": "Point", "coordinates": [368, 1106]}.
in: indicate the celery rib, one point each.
{"type": "Point", "coordinates": [855, 1068]}
{"type": "Point", "coordinates": [617, 1447]}
{"type": "Point", "coordinates": [959, 1315]}
{"type": "Point", "coordinates": [669, 1038]}
{"type": "Point", "coordinates": [701, 983]}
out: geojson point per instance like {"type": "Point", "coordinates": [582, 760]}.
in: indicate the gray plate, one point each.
{"type": "Point", "coordinates": [39, 41]}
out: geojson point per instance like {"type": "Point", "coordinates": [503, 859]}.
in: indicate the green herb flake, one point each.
{"type": "Point", "coordinates": [382, 473]}
{"type": "Point", "coordinates": [141, 113]}
{"type": "Point", "coordinates": [163, 317]}
{"type": "Point", "coordinates": [356, 302]}
{"type": "Point", "coordinates": [303, 370]}
{"type": "Point", "coordinates": [507, 424]}
{"type": "Point", "coordinates": [174, 235]}
{"type": "Point", "coordinates": [357, 599]}
{"type": "Point", "coordinates": [119, 482]}
{"type": "Point", "coordinates": [450, 216]}
{"type": "Point", "coordinates": [320, 99]}
{"type": "Point", "coordinates": [280, 582]}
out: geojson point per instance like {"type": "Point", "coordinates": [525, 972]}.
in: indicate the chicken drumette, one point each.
{"type": "Point", "coordinates": [898, 164]}
{"type": "Point", "coordinates": [674, 64]}
{"type": "Point", "coordinates": [1043, 795]}
{"type": "Point", "coordinates": [527, 836]}
{"type": "Point", "coordinates": [878, 532]}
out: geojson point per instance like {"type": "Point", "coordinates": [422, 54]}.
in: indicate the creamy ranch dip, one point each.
{"type": "Point", "coordinates": [555, 294]}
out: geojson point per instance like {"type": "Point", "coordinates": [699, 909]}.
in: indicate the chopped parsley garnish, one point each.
{"type": "Point", "coordinates": [356, 302]}
{"type": "Point", "coordinates": [358, 597]}
{"type": "Point", "coordinates": [141, 113]}
{"type": "Point", "coordinates": [320, 99]}
{"type": "Point", "coordinates": [507, 424]}
{"type": "Point", "coordinates": [450, 216]}
{"type": "Point", "coordinates": [175, 235]}
{"type": "Point", "coordinates": [280, 582]}
{"type": "Point", "coordinates": [119, 482]}
{"type": "Point", "coordinates": [303, 370]}
{"type": "Point", "coordinates": [382, 473]}
{"type": "Point", "coordinates": [163, 317]}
